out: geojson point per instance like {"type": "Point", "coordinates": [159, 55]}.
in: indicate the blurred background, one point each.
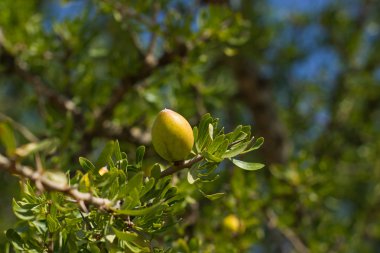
{"type": "Point", "coordinates": [305, 74]}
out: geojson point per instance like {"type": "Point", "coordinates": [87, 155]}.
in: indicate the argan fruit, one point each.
{"type": "Point", "coordinates": [233, 224]}
{"type": "Point", "coordinates": [172, 136]}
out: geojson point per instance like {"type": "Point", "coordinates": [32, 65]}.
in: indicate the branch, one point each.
{"type": "Point", "coordinates": [39, 179]}
{"type": "Point", "coordinates": [150, 58]}
{"type": "Point", "coordinates": [9, 61]}
{"type": "Point", "coordinates": [43, 90]}
{"type": "Point", "coordinates": [289, 234]}
{"type": "Point", "coordinates": [175, 168]}
{"type": "Point", "coordinates": [128, 82]}
{"type": "Point", "coordinates": [256, 92]}
{"type": "Point", "coordinates": [130, 13]}
{"type": "Point", "coordinates": [22, 129]}
{"type": "Point", "coordinates": [133, 134]}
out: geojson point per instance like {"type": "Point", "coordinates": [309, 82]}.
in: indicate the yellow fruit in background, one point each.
{"type": "Point", "coordinates": [233, 224]}
{"type": "Point", "coordinates": [172, 136]}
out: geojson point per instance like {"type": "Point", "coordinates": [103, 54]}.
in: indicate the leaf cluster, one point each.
{"type": "Point", "coordinates": [142, 206]}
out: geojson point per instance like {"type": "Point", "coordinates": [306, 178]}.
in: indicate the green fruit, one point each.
{"type": "Point", "coordinates": [172, 136]}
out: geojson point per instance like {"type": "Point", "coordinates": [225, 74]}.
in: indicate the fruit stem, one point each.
{"type": "Point", "coordinates": [183, 165]}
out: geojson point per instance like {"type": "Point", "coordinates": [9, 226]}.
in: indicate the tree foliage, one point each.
{"type": "Point", "coordinates": [78, 75]}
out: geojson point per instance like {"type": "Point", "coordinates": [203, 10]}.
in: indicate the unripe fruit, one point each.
{"type": "Point", "coordinates": [172, 136]}
{"type": "Point", "coordinates": [233, 224]}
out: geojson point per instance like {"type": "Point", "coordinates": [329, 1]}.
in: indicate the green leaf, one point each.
{"type": "Point", "coordinates": [258, 143]}
{"type": "Point", "coordinates": [135, 183]}
{"type": "Point", "coordinates": [33, 147]}
{"type": "Point", "coordinates": [204, 133]}
{"type": "Point", "coordinates": [52, 223]}
{"type": "Point", "coordinates": [125, 236]}
{"type": "Point", "coordinates": [247, 165]}
{"type": "Point", "coordinates": [212, 158]}
{"type": "Point", "coordinates": [148, 186]}
{"type": "Point", "coordinates": [191, 176]}
{"type": "Point", "coordinates": [135, 242]}
{"type": "Point", "coordinates": [140, 156]}
{"type": "Point", "coordinates": [156, 171]}
{"type": "Point", "coordinates": [215, 144]}
{"type": "Point", "coordinates": [7, 138]}
{"type": "Point", "coordinates": [14, 237]}
{"type": "Point", "coordinates": [117, 151]}
{"type": "Point", "coordinates": [211, 131]}
{"type": "Point", "coordinates": [93, 248]}
{"type": "Point", "coordinates": [86, 164]}
{"type": "Point", "coordinates": [214, 196]}
{"type": "Point", "coordinates": [222, 148]}
{"type": "Point", "coordinates": [236, 149]}
{"type": "Point", "coordinates": [233, 135]}
{"type": "Point", "coordinates": [140, 212]}
{"type": "Point", "coordinates": [207, 169]}
{"type": "Point", "coordinates": [195, 133]}
{"type": "Point", "coordinates": [23, 212]}
{"type": "Point", "coordinates": [105, 155]}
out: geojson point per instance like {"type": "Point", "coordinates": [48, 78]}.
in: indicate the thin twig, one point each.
{"type": "Point", "coordinates": [150, 58]}
{"type": "Point", "coordinates": [22, 129]}
{"type": "Point", "coordinates": [81, 198]}
{"type": "Point", "coordinates": [127, 83]}
{"type": "Point", "coordinates": [289, 234]}
{"type": "Point", "coordinates": [42, 90]}
{"type": "Point", "coordinates": [48, 184]}
{"type": "Point", "coordinates": [175, 168]}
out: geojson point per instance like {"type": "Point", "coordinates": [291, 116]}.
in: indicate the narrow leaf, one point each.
{"type": "Point", "coordinates": [33, 147]}
{"type": "Point", "coordinates": [191, 176]}
{"type": "Point", "coordinates": [247, 165]}
{"type": "Point", "coordinates": [135, 183]}
{"type": "Point", "coordinates": [117, 151]}
{"type": "Point", "coordinates": [212, 197]}
{"type": "Point", "coordinates": [140, 156]}
{"type": "Point", "coordinates": [236, 149]}
{"type": "Point", "coordinates": [125, 236]}
{"type": "Point", "coordinates": [140, 212]}
{"type": "Point", "coordinates": [7, 138]}
{"type": "Point", "coordinates": [211, 131]}
{"type": "Point", "coordinates": [52, 223]}
{"type": "Point", "coordinates": [258, 143]}
{"type": "Point", "coordinates": [86, 164]}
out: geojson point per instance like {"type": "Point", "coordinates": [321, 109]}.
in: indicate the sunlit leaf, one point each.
{"type": "Point", "coordinates": [247, 165]}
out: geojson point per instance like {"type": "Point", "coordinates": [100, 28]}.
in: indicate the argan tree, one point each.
{"type": "Point", "coordinates": [85, 168]}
